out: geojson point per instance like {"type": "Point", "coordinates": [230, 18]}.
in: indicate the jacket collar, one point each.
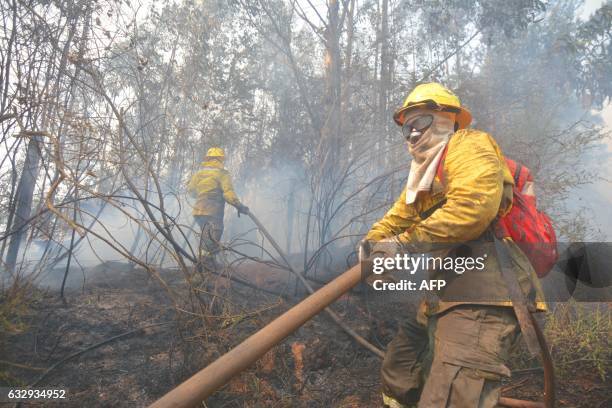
{"type": "Point", "coordinates": [212, 163]}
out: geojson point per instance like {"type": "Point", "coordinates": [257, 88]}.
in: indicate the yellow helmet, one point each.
{"type": "Point", "coordinates": [215, 152]}
{"type": "Point", "coordinates": [437, 97]}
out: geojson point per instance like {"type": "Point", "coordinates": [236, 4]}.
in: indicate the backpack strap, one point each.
{"type": "Point", "coordinates": [427, 213]}
{"type": "Point", "coordinates": [517, 176]}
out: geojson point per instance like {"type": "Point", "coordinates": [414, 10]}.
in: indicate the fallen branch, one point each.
{"type": "Point", "coordinates": [93, 347]}
{"type": "Point", "coordinates": [22, 366]}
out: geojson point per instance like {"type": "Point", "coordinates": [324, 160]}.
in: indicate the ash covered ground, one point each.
{"type": "Point", "coordinates": [318, 366]}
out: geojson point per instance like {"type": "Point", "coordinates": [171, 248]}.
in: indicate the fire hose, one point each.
{"type": "Point", "coordinates": [359, 339]}
{"type": "Point", "coordinates": [205, 382]}
{"type": "Point", "coordinates": [199, 387]}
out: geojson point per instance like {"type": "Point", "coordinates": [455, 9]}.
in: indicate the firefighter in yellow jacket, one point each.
{"type": "Point", "coordinates": [212, 188]}
{"type": "Point", "coordinates": [453, 352]}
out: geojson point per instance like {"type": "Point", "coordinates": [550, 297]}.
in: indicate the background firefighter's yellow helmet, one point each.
{"type": "Point", "coordinates": [433, 96]}
{"type": "Point", "coordinates": [215, 152]}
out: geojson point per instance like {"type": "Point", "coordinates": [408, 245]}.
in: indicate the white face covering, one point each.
{"type": "Point", "coordinates": [427, 150]}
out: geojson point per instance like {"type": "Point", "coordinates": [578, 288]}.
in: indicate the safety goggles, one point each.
{"type": "Point", "coordinates": [419, 123]}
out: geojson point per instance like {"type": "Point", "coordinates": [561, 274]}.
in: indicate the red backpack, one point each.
{"type": "Point", "coordinates": [531, 229]}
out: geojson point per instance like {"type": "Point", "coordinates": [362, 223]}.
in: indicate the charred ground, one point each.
{"type": "Point", "coordinates": [318, 366]}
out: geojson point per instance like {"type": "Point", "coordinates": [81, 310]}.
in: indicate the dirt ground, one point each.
{"type": "Point", "coordinates": [319, 366]}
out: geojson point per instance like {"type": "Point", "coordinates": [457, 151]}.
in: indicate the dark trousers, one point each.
{"type": "Point", "coordinates": [211, 230]}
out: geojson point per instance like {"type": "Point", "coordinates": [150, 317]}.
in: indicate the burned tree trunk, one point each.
{"type": "Point", "coordinates": [23, 204]}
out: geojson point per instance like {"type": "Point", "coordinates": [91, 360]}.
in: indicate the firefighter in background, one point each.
{"type": "Point", "coordinates": [452, 353]}
{"type": "Point", "coordinates": [212, 187]}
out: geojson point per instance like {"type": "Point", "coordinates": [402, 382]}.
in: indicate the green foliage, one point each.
{"type": "Point", "coordinates": [590, 48]}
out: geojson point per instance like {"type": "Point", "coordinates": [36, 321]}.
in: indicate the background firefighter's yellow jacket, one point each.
{"type": "Point", "coordinates": [212, 187]}
{"type": "Point", "coordinates": [477, 188]}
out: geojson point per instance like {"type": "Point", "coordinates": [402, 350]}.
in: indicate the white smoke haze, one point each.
{"type": "Point", "coordinates": [279, 199]}
{"type": "Point", "coordinates": [108, 107]}
{"type": "Point", "coordinates": [210, 86]}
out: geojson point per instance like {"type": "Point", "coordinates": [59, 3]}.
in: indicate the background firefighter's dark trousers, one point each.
{"type": "Point", "coordinates": [211, 230]}
{"type": "Point", "coordinates": [456, 361]}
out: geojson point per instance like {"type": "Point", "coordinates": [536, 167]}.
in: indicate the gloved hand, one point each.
{"type": "Point", "coordinates": [368, 250]}
{"type": "Point", "coordinates": [387, 247]}
{"type": "Point", "coordinates": [364, 249]}
{"type": "Point", "coordinates": [242, 209]}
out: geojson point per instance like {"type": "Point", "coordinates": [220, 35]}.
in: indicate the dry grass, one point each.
{"type": "Point", "coordinates": [578, 338]}
{"type": "Point", "coordinates": [14, 302]}
{"type": "Point", "coordinates": [578, 335]}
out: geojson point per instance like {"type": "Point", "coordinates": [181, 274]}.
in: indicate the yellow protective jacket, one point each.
{"type": "Point", "coordinates": [212, 187]}
{"type": "Point", "coordinates": [477, 187]}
